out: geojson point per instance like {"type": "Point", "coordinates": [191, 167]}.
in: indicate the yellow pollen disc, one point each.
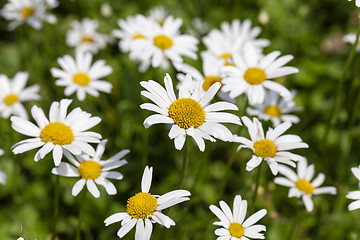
{"type": "Point", "coordinates": [236, 230]}
{"type": "Point", "coordinates": [142, 205]}
{"type": "Point", "coordinates": [81, 78]}
{"type": "Point", "coordinates": [264, 148]}
{"type": "Point", "coordinates": [273, 111]}
{"type": "Point", "coordinates": [226, 57]}
{"type": "Point", "coordinates": [27, 12]}
{"type": "Point", "coordinates": [137, 36]}
{"type": "Point", "coordinates": [255, 76]}
{"type": "Point", "coordinates": [163, 42]}
{"type": "Point", "coordinates": [11, 99]}
{"type": "Point", "coordinates": [305, 186]}
{"type": "Point", "coordinates": [57, 133]}
{"type": "Point", "coordinates": [87, 39]}
{"type": "Point", "coordinates": [186, 113]}
{"type": "Point", "coordinates": [209, 81]}
{"type": "Point", "coordinates": [89, 170]}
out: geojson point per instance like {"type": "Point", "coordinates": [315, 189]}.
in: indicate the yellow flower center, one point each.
{"type": "Point", "coordinates": [226, 57]}
{"type": "Point", "coordinates": [236, 230]}
{"type": "Point", "coordinates": [137, 36]}
{"type": "Point", "coordinates": [81, 78]}
{"type": "Point", "coordinates": [57, 133]}
{"type": "Point", "coordinates": [265, 148]}
{"type": "Point", "coordinates": [89, 170]}
{"type": "Point", "coordinates": [273, 111]}
{"type": "Point", "coordinates": [10, 99]}
{"type": "Point", "coordinates": [209, 81]}
{"type": "Point", "coordinates": [86, 39]}
{"type": "Point", "coordinates": [163, 42]}
{"type": "Point", "coordinates": [305, 186]}
{"type": "Point", "coordinates": [186, 113]}
{"type": "Point", "coordinates": [27, 12]}
{"type": "Point", "coordinates": [142, 205]}
{"type": "Point", "coordinates": [255, 76]}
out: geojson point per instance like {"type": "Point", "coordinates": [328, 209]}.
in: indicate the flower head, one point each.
{"type": "Point", "coordinates": [234, 225]}
{"type": "Point", "coordinates": [271, 147]}
{"type": "Point", "coordinates": [13, 93]}
{"type": "Point", "coordinates": [81, 76]}
{"type": "Point", "coordinates": [274, 109]}
{"type": "Point", "coordinates": [61, 132]}
{"type": "Point", "coordinates": [143, 209]}
{"type": "Point", "coordinates": [92, 170]}
{"type": "Point", "coordinates": [357, 2]}
{"type": "Point", "coordinates": [163, 43]}
{"type": "Point", "coordinates": [84, 36]}
{"type": "Point", "coordinates": [31, 12]}
{"type": "Point", "coordinates": [354, 195]}
{"type": "Point", "coordinates": [252, 72]}
{"type": "Point", "coordinates": [190, 114]}
{"type": "Point", "coordinates": [231, 39]}
{"type": "Point", "coordinates": [300, 183]}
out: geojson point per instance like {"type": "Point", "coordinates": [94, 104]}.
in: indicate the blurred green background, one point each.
{"type": "Point", "coordinates": [310, 30]}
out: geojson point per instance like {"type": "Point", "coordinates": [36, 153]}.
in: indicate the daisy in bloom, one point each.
{"type": "Point", "coordinates": [164, 43]}
{"type": "Point", "coordinates": [81, 76]}
{"type": "Point", "coordinates": [13, 93]}
{"type": "Point", "coordinates": [31, 12]}
{"type": "Point", "coordinates": [143, 209]}
{"type": "Point", "coordinates": [252, 73]}
{"type": "Point", "coordinates": [354, 195]}
{"type": "Point", "coordinates": [232, 38]}
{"type": "Point", "coordinates": [357, 2]}
{"type": "Point", "coordinates": [158, 14]}
{"type": "Point", "coordinates": [84, 36]}
{"type": "Point", "coordinates": [190, 114]}
{"type": "Point", "coordinates": [61, 132]}
{"type": "Point", "coordinates": [271, 147]}
{"type": "Point", "coordinates": [233, 223]}
{"type": "Point", "coordinates": [2, 174]}
{"type": "Point", "coordinates": [300, 183]}
{"type": "Point", "coordinates": [132, 30]}
{"type": "Point", "coordinates": [92, 170]}
{"type": "Point", "coordinates": [274, 109]}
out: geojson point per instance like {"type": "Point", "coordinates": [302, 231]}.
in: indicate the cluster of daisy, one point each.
{"type": "Point", "coordinates": [233, 66]}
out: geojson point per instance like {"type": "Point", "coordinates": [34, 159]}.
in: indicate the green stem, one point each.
{"type": "Point", "coordinates": [184, 162]}
{"type": "Point", "coordinates": [258, 174]}
{"type": "Point", "coordinates": [293, 225]}
{"type": "Point", "coordinates": [336, 105]}
{"type": "Point", "coordinates": [56, 206]}
{"type": "Point", "coordinates": [81, 213]}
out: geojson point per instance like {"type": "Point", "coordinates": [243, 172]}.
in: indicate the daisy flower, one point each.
{"type": "Point", "coordinates": [232, 38]}
{"type": "Point", "coordinates": [92, 170]}
{"type": "Point", "coordinates": [143, 209]}
{"type": "Point", "coordinates": [274, 109]}
{"type": "Point", "coordinates": [131, 30]}
{"type": "Point", "coordinates": [190, 114]}
{"type": "Point", "coordinates": [233, 223]}
{"type": "Point", "coordinates": [84, 36]}
{"type": "Point", "coordinates": [252, 73]}
{"type": "Point", "coordinates": [31, 12]}
{"type": "Point", "coordinates": [81, 76]}
{"type": "Point", "coordinates": [354, 195]}
{"type": "Point", "coordinates": [300, 183]}
{"type": "Point", "coordinates": [357, 2]}
{"type": "Point", "coordinates": [2, 174]}
{"type": "Point", "coordinates": [158, 14]}
{"type": "Point", "coordinates": [61, 132]}
{"type": "Point", "coordinates": [165, 43]}
{"type": "Point", "coordinates": [13, 93]}
{"type": "Point", "coordinates": [271, 147]}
